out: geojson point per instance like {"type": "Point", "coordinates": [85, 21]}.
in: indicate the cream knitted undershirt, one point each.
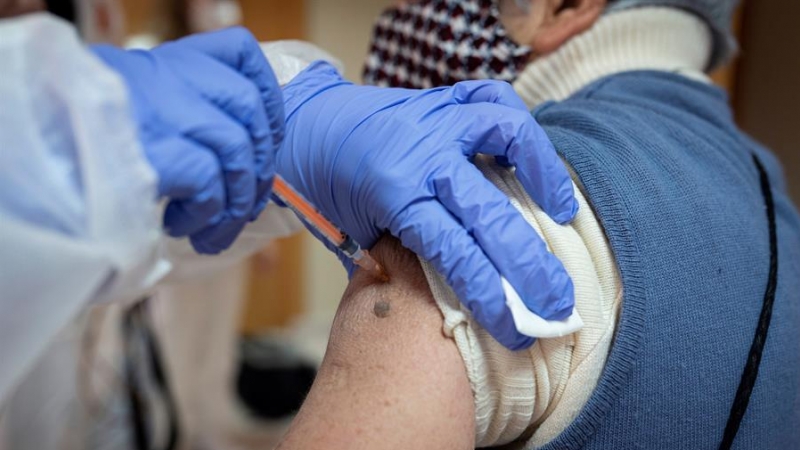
{"type": "Point", "coordinates": [652, 38]}
{"type": "Point", "coordinates": [531, 396]}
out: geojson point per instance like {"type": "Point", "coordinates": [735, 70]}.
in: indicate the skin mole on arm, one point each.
{"type": "Point", "coordinates": [382, 308]}
{"type": "Point", "coordinates": [406, 286]}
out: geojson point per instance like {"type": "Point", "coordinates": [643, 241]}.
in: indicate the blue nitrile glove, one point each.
{"type": "Point", "coordinates": [210, 115]}
{"type": "Point", "coordinates": [376, 159]}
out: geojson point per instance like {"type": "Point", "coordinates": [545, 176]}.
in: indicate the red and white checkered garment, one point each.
{"type": "Point", "coordinates": [441, 42]}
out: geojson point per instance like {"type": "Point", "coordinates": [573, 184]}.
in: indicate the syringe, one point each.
{"type": "Point", "coordinates": [335, 236]}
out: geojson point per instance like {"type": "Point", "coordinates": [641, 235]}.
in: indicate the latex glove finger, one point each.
{"type": "Point", "coordinates": [231, 143]}
{"type": "Point", "coordinates": [488, 91]}
{"type": "Point", "coordinates": [195, 119]}
{"type": "Point", "coordinates": [536, 274]}
{"type": "Point", "coordinates": [497, 131]}
{"type": "Point", "coordinates": [263, 191]}
{"type": "Point", "coordinates": [238, 49]}
{"type": "Point", "coordinates": [189, 175]}
{"type": "Point", "coordinates": [241, 100]}
{"type": "Point", "coordinates": [432, 232]}
{"type": "Point", "coordinates": [479, 91]}
{"type": "Point", "coordinates": [216, 238]}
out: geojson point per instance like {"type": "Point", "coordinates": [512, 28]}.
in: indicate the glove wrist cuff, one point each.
{"type": "Point", "coordinates": [315, 79]}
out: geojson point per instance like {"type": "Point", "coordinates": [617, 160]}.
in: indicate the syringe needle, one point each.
{"type": "Point", "coordinates": [314, 218]}
{"type": "Point", "coordinates": [369, 264]}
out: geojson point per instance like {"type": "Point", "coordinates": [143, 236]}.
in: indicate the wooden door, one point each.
{"type": "Point", "coordinates": [277, 277]}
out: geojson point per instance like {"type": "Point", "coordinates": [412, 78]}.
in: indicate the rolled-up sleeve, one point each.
{"type": "Point", "coordinates": [533, 395]}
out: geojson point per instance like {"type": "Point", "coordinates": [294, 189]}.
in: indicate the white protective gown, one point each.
{"type": "Point", "coordinates": [80, 224]}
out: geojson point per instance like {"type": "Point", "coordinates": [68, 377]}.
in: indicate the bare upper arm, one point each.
{"type": "Point", "coordinates": [390, 378]}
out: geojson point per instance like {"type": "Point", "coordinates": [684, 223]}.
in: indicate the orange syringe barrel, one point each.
{"type": "Point", "coordinates": [309, 213]}
{"type": "Point", "coordinates": [301, 206]}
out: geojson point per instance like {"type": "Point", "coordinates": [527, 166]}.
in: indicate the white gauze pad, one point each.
{"type": "Point", "coordinates": [530, 324]}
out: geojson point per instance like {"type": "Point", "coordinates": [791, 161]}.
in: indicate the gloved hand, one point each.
{"type": "Point", "coordinates": [375, 159]}
{"type": "Point", "coordinates": [210, 115]}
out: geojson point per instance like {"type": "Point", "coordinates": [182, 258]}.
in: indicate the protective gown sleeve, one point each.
{"type": "Point", "coordinates": [79, 221]}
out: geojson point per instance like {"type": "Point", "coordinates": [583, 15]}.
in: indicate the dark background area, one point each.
{"type": "Point", "coordinates": [767, 88]}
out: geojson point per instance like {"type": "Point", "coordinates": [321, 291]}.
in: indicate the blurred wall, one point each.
{"type": "Point", "coordinates": [278, 285]}
{"type": "Point", "coordinates": [275, 19]}
{"type": "Point", "coordinates": [767, 97]}
{"type": "Point", "coordinates": [343, 27]}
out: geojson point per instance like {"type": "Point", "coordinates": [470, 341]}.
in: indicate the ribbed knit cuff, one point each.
{"type": "Point", "coordinates": [649, 38]}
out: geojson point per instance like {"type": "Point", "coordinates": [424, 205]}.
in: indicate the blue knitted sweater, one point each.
{"type": "Point", "coordinates": [675, 186]}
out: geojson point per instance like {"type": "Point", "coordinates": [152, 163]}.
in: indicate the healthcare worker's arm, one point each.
{"type": "Point", "coordinates": [287, 58]}
{"type": "Point", "coordinates": [372, 160]}
{"type": "Point", "coordinates": [388, 160]}
{"type": "Point", "coordinates": [378, 160]}
{"type": "Point", "coordinates": [210, 116]}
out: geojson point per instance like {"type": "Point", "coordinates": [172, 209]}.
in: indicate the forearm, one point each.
{"type": "Point", "coordinates": [390, 378]}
